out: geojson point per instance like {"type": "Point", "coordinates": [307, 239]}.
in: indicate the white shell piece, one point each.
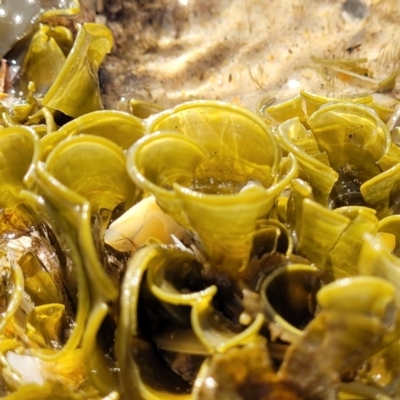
{"type": "Point", "coordinates": [27, 367]}
{"type": "Point", "coordinates": [144, 221]}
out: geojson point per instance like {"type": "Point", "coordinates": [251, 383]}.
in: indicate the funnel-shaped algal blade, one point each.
{"type": "Point", "coordinates": [94, 168]}
{"type": "Point", "coordinates": [20, 152]}
{"type": "Point", "coordinates": [294, 136]}
{"type": "Point", "coordinates": [352, 135]}
{"type": "Point", "coordinates": [76, 90]}
{"type": "Point", "coordinates": [216, 174]}
{"type": "Point", "coordinates": [121, 128]}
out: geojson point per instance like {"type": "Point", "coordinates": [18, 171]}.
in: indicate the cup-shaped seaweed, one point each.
{"type": "Point", "coordinates": [368, 295]}
{"type": "Point", "coordinates": [104, 183]}
{"type": "Point", "coordinates": [352, 135]}
{"type": "Point", "coordinates": [357, 319]}
{"type": "Point", "coordinates": [76, 89]}
{"type": "Point", "coordinates": [224, 130]}
{"type": "Point", "coordinates": [376, 260]}
{"type": "Point", "coordinates": [306, 103]}
{"type": "Point", "coordinates": [137, 378]}
{"type": "Point", "coordinates": [186, 321]}
{"type": "Point", "coordinates": [332, 239]}
{"type": "Point", "coordinates": [121, 128]}
{"type": "Point", "coordinates": [313, 166]}
{"type": "Point", "coordinates": [20, 151]}
{"type": "Point", "coordinates": [166, 281]}
{"type": "Point", "coordinates": [83, 176]}
{"type": "Point", "coordinates": [288, 297]}
{"type": "Point", "coordinates": [216, 169]}
{"type": "Point", "coordinates": [389, 234]}
{"type": "Point", "coordinates": [347, 156]}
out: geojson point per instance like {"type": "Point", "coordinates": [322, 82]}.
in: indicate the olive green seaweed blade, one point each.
{"type": "Point", "coordinates": [82, 176]}
{"type": "Point", "coordinates": [218, 378]}
{"type": "Point", "coordinates": [93, 167]}
{"type": "Point", "coordinates": [389, 233]}
{"type": "Point", "coordinates": [332, 239]}
{"type": "Point", "coordinates": [320, 176]}
{"type": "Point", "coordinates": [376, 260]}
{"type": "Point", "coordinates": [285, 110]}
{"type": "Point", "coordinates": [19, 153]}
{"type": "Point", "coordinates": [352, 135]}
{"type": "Point", "coordinates": [217, 198]}
{"type": "Point", "coordinates": [225, 224]}
{"type": "Point", "coordinates": [54, 390]}
{"type": "Point", "coordinates": [320, 228]}
{"type": "Point", "coordinates": [15, 291]}
{"type": "Point", "coordinates": [357, 319]}
{"type": "Point", "coordinates": [166, 281]}
{"type": "Point", "coordinates": [290, 283]}
{"type": "Point", "coordinates": [380, 191]}
{"type": "Point", "coordinates": [225, 131]}
{"type": "Point", "coordinates": [46, 325]}
{"type": "Point", "coordinates": [138, 381]}
{"type": "Point", "coordinates": [164, 270]}
{"type": "Point", "coordinates": [42, 63]}
{"type": "Point", "coordinates": [95, 290]}
{"type": "Point", "coordinates": [38, 282]}
{"type": "Point", "coordinates": [143, 109]}
{"type": "Point", "coordinates": [76, 89]}
{"type": "Point", "coordinates": [158, 161]}
{"type": "Point", "coordinates": [345, 253]}
{"type": "Point", "coordinates": [67, 209]}
{"type": "Point", "coordinates": [91, 171]}
{"type": "Point", "coordinates": [360, 149]}
{"type": "Point", "coordinates": [121, 128]}
{"type": "Point", "coordinates": [362, 294]}
{"type": "Point", "coordinates": [313, 102]}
